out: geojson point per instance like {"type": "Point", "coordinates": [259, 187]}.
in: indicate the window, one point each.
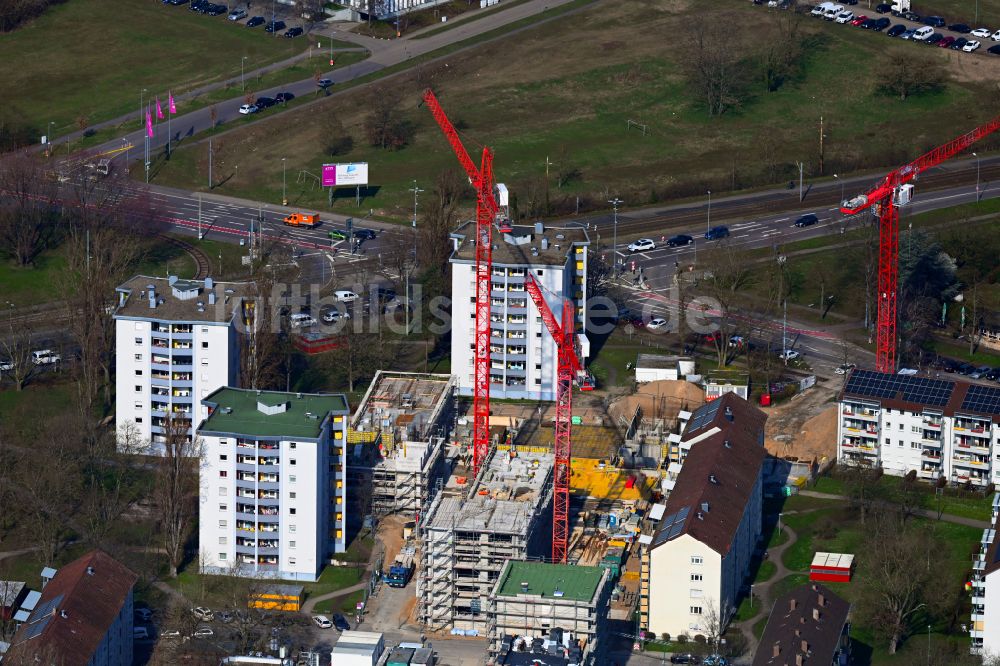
{"type": "Point", "coordinates": [695, 577]}
{"type": "Point", "coordinates": [538, 366]}
{"type": "Point", "coordinates": [204, 329]}
{"type": "Point", "coordinates": [138, 419]}
{"type": "Point", "coordinates": [223, 456]}
{"type": "Point", "coordinates": [223, 507]}
{"type": "Point", "coordinates": [222, 556]}
{"type": "Point", "coordinates": [695, 594]}
{"type": "Point", "coordinates": [538, 335]}
{"type": "Point", "coordinates": [291, 495]}
{"type": "Point", "coordinates": [900, 442]}
{"type": "Point", "coordinates": [888, 441]}
{"type": "Point", "coordinates": [223, 473]}
{"type": "Point", "coordinates": [223, 541]}
{"type": "Point", "coordinates": [538, 381]}
{"type": "Point", "coordinates": [292, 511]}
{"type": "Point", "coordinates": [695, 610]}
{"type": "Point", "coordinates": [138, 389]}
{"type": "Point", "coordinates": [138, 341]}
{"type": "Point", "coordinates": [222, 491]}
{"type": "Point", "coordinates": [291, 479]}
{"type": "Point", "coordinates": [540, 272]}
{"type": "Point", "coordinates": [204, 345]}
{"type": "Point", "coordinates": [291, 528]}
{"type": "Point", "coordinates": [138, 373]}
{"type": "Point", "coordinates": [291, 544]}
{"type": "Point", "coordinates": [914, 445]}
{"type": "Point", "coordinates": [472, 299]}
{"type": "Point", "coordinates": [292, 445]}
{"type": "Point", "coordinates": [900, 426]}
{"type": "Point", "coordinates": [138, 405]}
{"type": "Point", "coordinates": [204, 361]}
{"type": "Point", "coordinates": [222, 524]}
{"type": "Point", "coordinates": [292, 461]}
{"type": "Point", "coordinates": [697, 559]}
{"type": "Point", "coordinates": [138, 357]}
{"type": "Point", "coordinates": [291, 561]}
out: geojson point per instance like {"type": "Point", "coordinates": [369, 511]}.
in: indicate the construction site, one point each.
{"type": "Point", "coordinates": [398, 435]}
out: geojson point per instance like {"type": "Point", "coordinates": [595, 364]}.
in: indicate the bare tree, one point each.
{"type": "Point", "coordinates": [261, 342]}
{"type": "Point", "coordinates": [16, 346]}
{"type": "Point", "coordinates": [112, 486]}
{"type": "Point", "coordinates": [897, 582]}
{"type": "Point", "coordinates": [863, 487]}
{"type": "Point", "coordinates": [176, 487]}
{"type": "Point", "coordinates": [385, 126]}
{"type": "Point", "coordinates": [28, 211]}
{"type": "Point", "coordinates": [712, 64]}
{"type": "Point", "coordinates": [781, 54]}
{"type": "Point", "coordinates": [910, 74]}
{"type": "Point", "coordinates": [726, 273]}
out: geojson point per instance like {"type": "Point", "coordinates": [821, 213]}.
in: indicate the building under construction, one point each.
{"type": "Point", "coordinates": [468, 537]}
{"type": "Point", "coordinates": [397, 442]}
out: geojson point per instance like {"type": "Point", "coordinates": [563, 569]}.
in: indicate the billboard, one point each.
{"type": "Point", "coordinates": [337, 175]}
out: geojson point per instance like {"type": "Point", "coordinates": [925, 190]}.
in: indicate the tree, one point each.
{"type": "Point", "coordinates": [781, 54]}
{"type": "Point", "coordinates": [712, 63]}
{"type": "Point", "coordinates": [337, 140]}
{"type": "Point", "coordinates": [726, 273]}
{"type": "Point", "coordinates": [862, 486]}
{"type": "Point", "coordinates": [897, 581]}
{"type": "Point", "coordinates": [16, 345]}
{"type": "Point", "coordinates": [262, 347]}
{"type": "Point", "coordinates": [176, 487]}
{"type": "Point", "coordinates": [910, 74]}
{"type": "Point", "coordinates": [28, 210]}
{"type": "Point", "coordinates": [384, 126]}
{"type": "Point", "coordinates": [112, 484]}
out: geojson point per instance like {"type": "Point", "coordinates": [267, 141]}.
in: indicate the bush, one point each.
{"type": "Point", "coordinates": [665, 636]}
{"type": "Point", "coordinates": [910, 477]}
{"type": "Point", "coordinates": [700, 639]}
{"type": "Point", "coordinates": [682, 639]}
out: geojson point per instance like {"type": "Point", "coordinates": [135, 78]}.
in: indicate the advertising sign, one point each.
{"type": "Point", "coordinates": [339, 175]}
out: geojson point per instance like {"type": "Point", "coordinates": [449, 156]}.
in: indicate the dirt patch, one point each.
{"type": "Point", "coordinates": [803, 428]}
{"type": "Point", "coordinates": [390, 533]}
{"type": "Point", "coordinates": [969, 68]}
{"type": "Point", "coordinates": [659, 400]}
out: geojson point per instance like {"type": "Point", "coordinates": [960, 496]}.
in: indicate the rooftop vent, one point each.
{"type": "Point", "coordinates": [227, 410]}
{"type": "Point", "coordinates": [63, 614]}
{"type": "Point", "coordinates": [701, 516]}
{"type": "Point", "coordinates": [557, 593]}
{"type": "Point", "coordinates": [298, 395]}
{"type": "Point", "coordinates": [524, 586]}
{"type": "Point", "coordinates": [539, 228]}
{"type": "Point", "coordinates": [545, 243]}
{"type": "Point", "coordinates": [90, 571]}
{"type": "Point", "coordinates": [209, 283]}
{"type": "Point", "coordinates": [713, 479]}
{"type": "Point", "coordinates": [230, 291]}
{"type": "Point", "coordinates": [729, 412]}
{"type": "Point", "coordinates": [727, 444]}
{"type": "Point", "coordinates": [310, 415]}
{"type": "Point", "coordinates": [211, 298]}
{"type": "Point", "coordinates": [704, 507]}
{"type": "Point", "coordinates": [560, 237]}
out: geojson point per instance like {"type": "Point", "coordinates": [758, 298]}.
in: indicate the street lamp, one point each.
{"type": "Point", "coordinates": [284, 197]}
{"type": "Point", "coordinates": [708, 218]}
{"type": "Point", "coordinates": [614, 248]}
{"type": "Point", "coordinates": [243, 85]}
{"type": "Point", "coordinates": [416, 190]}
{"type": "Point", "coordinates": [142, 93]}
{"type": "Point", "coordinates": [977, 175]}
{"type": "Point", "coordinates": [838, 178]}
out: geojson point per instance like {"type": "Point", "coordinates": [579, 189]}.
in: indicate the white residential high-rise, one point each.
{"type": "Point", "coordinates": [985, 626]}
{"type": "Point", "coordinates": [940, 428]}
{"type": "Point", "coordinates": [523, 355]}
{"type": "Point", "coordinates": [272, 492]}
{"type": "Point", "coordinates": [176, 342]}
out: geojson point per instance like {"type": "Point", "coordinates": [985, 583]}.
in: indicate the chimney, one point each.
{"type": "Point", "coordinates": [171, 280]}
{"type": "Point", "coordinates": [792, 604]}
{"type": "Point", "coordinates": [704, 507]}
{"type": "Point", "coordinates": [545, 243]}
{"type": "Point", "coordinates": [539, 228]}
{"type": "Point", "coordinates": [776, 650]}
{"type": "Point", "coordinates": [63, 614]}
{"type": "Point", "coordinates": [209, 283]}
{"type": "Point", "coordinates": [211, 298]}
{"type": "Point", "coordinates": [152, 298]}
{"type": "Point", "coordinates": [816, 614]}
{"type": "Point", "coordinates": [822, 600]}
{"type": "Point", "coordinates": [524, 587]}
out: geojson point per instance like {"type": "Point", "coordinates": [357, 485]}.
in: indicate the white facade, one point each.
{"type": "Point", "coordinates": [685, 586]}
{"type": "Point", "coordinates": [271, 505]}
{"type": "Point", "coordinates": [984, 628]}
{"type": "Point", "coordinates": [524, 358]}
{"type": "Point", "coordinates": [170, 356]}
{"type": "Point", "coordinates": [960, 447]}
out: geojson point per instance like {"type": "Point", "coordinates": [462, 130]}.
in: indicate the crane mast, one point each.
{"type": "Point", "coordinates": [884, 199]}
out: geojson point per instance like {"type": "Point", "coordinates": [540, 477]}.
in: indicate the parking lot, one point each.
{"type": "Point", "coordinates": [275, 20]}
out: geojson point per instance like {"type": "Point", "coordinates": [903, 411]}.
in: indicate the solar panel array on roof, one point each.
{"type": "Point", "coordinates": [36, 628]}
{"type": "Point", "coordinates": [671, 526]}
{"type": "Point", "coordinates": [982, 399]}
{"type": "Point", "coordinates": [46, 609]}
{"type": "Point", "coordinates": [871, 384]}
{"type": "Point", "coordinates": [703, 416]}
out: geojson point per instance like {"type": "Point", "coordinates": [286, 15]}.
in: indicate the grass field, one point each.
{"type": "Point", "coordinates": [603, 68]}
{"type": "Point", "coordinates": [961, 11]}
{"type": "Point", "coordinates": [88, 59]}
{"type": "Point", "coordinates": [969, 506]}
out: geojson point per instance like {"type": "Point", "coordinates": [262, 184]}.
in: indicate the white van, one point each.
{"type": "Point", "coordinates": [820, 9]}
{"type": "Point", "coordinates": [301, 320]}
{"type": "Point", "coordinates": [45, 357]}
{"type": "Point", "coordinates": [923, 33]}
{"type": "Point", "coordinates": [345, 295]}
{"type": "Point", "coordinates": [832, 12]}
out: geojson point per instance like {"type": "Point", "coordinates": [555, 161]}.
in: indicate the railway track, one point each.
{"type": "Point", "coordinates": [200, 258]}
{"type": "Point", "coordinates": [826, 195]}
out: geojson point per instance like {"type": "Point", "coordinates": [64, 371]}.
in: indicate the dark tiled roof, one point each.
{"type": "Point", "coordinates": [75, 612]}
{"type": "Point", "coordinates": [810, 617]}
{"type": "Point", "coordinates": [914, 393]}
{"type": "Point", "coordinates": [746, 419]}
{"type": "Point", "coordinates": [719, 475]}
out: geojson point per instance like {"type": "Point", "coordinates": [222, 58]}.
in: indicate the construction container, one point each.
{"type": "Point", "coordinates": [614, 567]}
{"type": "Point", "coordinates": [422, 657]}
{"type": "Point", "coordinates": [400, 657]}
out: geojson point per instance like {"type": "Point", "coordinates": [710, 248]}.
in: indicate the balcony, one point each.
{"type": "Point", "coordinates": [930, 455]}
{"type": "Point", "coordinates": [930, 474]}
{"type": "Point", "coordinates": [971, 462]}
{"type": "Point", "coordinates": [859, 413]}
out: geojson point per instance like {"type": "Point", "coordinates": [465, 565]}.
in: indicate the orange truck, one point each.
{"type": "Point", "coordinates": [302, 220]}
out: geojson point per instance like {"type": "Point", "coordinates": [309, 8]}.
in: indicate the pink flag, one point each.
{"type": "Point", "coordinates": [149, 124]}
{"type": "Point", "coordinates": [159, 111]}
{"type": "Point", "coordinates": [170, 103]}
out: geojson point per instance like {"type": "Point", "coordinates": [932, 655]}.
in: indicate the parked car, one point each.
{"type": "Point", "coordinates": [340, 622]}
{"type": "Point", "coordinates": [656, 324]}
{"type": "Point", "coordinates": [789, 355]}
{"type": "Point", "coordinates": [226, 617]}
{"type": "Point", "coordinates": [284, 97]}
{"type": "Point", "coordinates": [324, 83]}
{"type": "Point", "coordinates": [807, 220]}
{"type": "Point", "coordinates": [983, 33]}
{"type": "Point", "coordinates": [247, 109]}
{"type": "Point", "coordinates": [203, 614]}
{"type": "Point", "coordinates": [845, 368]}
{"type": "Point", "coordinates": [679, 240]}
{"type": "Point", "coordinates": [196, 5]}
{"type": "Point", "coordinates": [858, 20]}
{"type": "Point", "coordinates": [947, 41]}
{"type": "Point", "coordinates": [364, 234]}
{"type": "Point", "coordinates": [960, 28]}
{"type": "Point", "coordinates": [844, 17]}
{"type": "Point", "coordinates": [685, 658]}
{"type": "Point", "coordinates": [301, 320]}
{"type": "Point", "coordinates": [6, 366]}
{"type": "Point", "coordinates": [322, 621]}
{"type": "Point", "coordinates": [934, 21]}
{"type": "Point", "coordinates": [912, 16]}
{"type": "Point", "coordinates": [908, 33]}
{"type": "Point", "coordinates": [331, 316]}
{"type": "Point", "coordinates": [896, 30]}
{"type": "Point", "coordinates": [881, 24]}
{"type": "Point", "coordinates": [868, 24]}
{"type": "Point", "coordinates": [934, 39]}
{"type": "Point", "coordinates": [45, 357]}
{"type": "Point", "coordinates": [923, 34]}
{"type": "Point", "coordinates": [717, 233]}
{"type": "Point", "coordinates": [994, 50]}
{"type": "Point", "coordinates": [143, 614]}
{"type": "Point", "coordinates": [170, 633]}
{"type": "Point", "coordinates": [959, 44]}
{"type": "Point", "coordinates": [275, 26]}
{"type": "Point", "coordinates": [293, 32]}
{"type": "Point", "coordinates": [995, 36]}
{"type": "Point", "coordinates": [255, 21]}
{"type": "Point", "coordinates": [345, 296]}
{"type": "Point", "coordinates": [965, 368]}
{"type": "Point", "coordinates": [203, 632]}
{"type": "Point", "coordinates": [215, 10]}
{"type": "Point", "coordinates": [971, 46]}
{"type": "Point", "coordinates": [264, 102]}
{"type": "Point", "coordinates": [237, 14]}
{"type": "Point", "coordinates": [642, 245]}
{"type": "Point", "coordinates": [883, 8]}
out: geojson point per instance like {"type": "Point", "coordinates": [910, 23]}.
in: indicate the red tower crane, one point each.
{"type": "Point", "coordinates": [487, 212]}
{"type": "Point", "coordinates": [568, 369]}
{"type": "Point", "coordinates": [885, 198]}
